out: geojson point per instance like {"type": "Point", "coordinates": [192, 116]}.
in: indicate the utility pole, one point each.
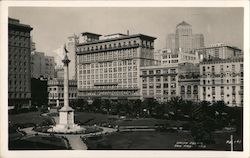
{"type": "Point", "coordinates": [232, 142]}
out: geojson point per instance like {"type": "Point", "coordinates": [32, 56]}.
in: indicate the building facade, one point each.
{"type": "Point", "coordinates": [110, 67]}
{"type": "Point", "coordinates": [222, 79]}
{"type": "Point", "coordinates": [219, 50]}
{"type": "Point", "coordinates": [56, 91]}
{"type": "Point", "coordinates": [19, 71]}
{"type": "Point", "coordinates": [159, 82]}
{"type": "Point", "coordinates": [172, 58]}
{"type": "Point", "coordinates": [189, 81]}
{"type": "Point", "coordinates": [184, 40]}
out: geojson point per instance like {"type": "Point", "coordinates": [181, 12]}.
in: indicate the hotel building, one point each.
{"type": "Point", "coordinates": [110, 67]}
{"type": "Point", "coordinates": [222, 79]}
{"type": "Point", "coordinates": [19, 76]}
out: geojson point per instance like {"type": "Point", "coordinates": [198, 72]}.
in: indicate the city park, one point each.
{"type": "Point", "coordinates": [127, 124]}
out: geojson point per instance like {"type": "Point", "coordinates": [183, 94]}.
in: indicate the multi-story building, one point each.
{"type": "Point", "coordinates": [110, 67]}
{"type": "Point", "coordinates": [159, 82]}
{"type": "Point", "coordinates": [19, 76]}
{"type": "Point", "coordinates": [37, 64]}
{"type": "Point", "coordinates": [189, 81]}
{"type": "Point", "coordinates": [166, 81]}
{"type": "Point", "coordinates": [219, 50]}
{"type": "Point", "coordinates": [42, 65]}
{"type": "Point", "coordinates": [175, 58]}
{"type": "Point", "coordinates": [222, 79]}
{"type": "Point", "coordinates": [56, 91]}
{"type": "Point", "coordinates": [184, 40]}
{"type": "Point", "coordinates": [49, 67]}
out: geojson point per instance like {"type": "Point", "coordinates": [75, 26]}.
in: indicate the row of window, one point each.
{"type": "Point", "coordinates": [19, 95]}
{"type": "Point", "coordinates": [61, 88]}
{"type": "Point", "coordinates": [221, 81]}
{"type": "Point", "coordinates": [158, 85]}
{"type": "Point", "coordinates": [112, 55]}
{"type": "Point", "coordinates": [124, 81]}
{"type": "Point", "coordinates": [61, 95]}
{"type": "Point", "coordinates": [159, 71]}
{"type": "Point", "coordinates": [108, 70]}
{"type": "Point", "coordinates": [228, 68]}
{"type": "Point", "coordinates": [108, 76]}
{"type": "Point", "coordinates": [158, 92]}
{"type": "Point", "coordinates": [19, 33]}
{"type": "Point", "coordinates": [159, 79]}
{"type": "Point", "coordinates": [108, 93]}
{"type": "Point", "coordinates": [108, 64]}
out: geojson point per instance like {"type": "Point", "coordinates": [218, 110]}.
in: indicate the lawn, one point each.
{"type": "Point", "coordinates": [29, 119]}
{"type": "Point", "coordinates": [156, 141]}
{"type": "Point", "coordinates": [97, 118]}
{"type": "Point", "coordinates": [138, 140]}
{"type": "Point", "coordinates": [39, 143]}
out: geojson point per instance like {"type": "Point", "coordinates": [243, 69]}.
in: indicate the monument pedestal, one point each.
{"type": "Point", "coordinates": [66, 122]}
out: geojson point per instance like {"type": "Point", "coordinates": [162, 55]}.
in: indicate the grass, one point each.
{"type": "Point", "coordinates": [138, 140]}
{"type": "Point", "coordinates": [38, 143]}
{"type": "Point", "coordinates": [31, 118]}
{"type": "Point", "coordinates": [156, 141]}
{"type": "Point", "coordinates": [96, 118]}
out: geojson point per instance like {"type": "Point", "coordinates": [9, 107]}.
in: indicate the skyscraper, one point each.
{"type": "Point", "coordinates": [184, 40]}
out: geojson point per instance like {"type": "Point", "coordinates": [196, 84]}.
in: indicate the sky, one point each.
{"type": "Point", "coordinates": [52, 25]}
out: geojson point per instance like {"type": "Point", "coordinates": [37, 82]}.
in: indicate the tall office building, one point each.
{"type": "Point", "coordinates": [110, 67]}
{"type": "Point", "coordinates": [49, 67]}
{"type": "Point", "coordinates": [184, 40]}
{"type": "Point", "coordinates": [42, 65]}
{"type": "Point", "coordinates": [19, 75]}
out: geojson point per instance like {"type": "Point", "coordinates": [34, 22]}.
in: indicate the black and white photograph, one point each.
{"type": "Point", "coordinates": [130, 78]}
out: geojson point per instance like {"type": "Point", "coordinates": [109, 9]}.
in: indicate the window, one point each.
{"type": "Point", "coordinates": [165, 85]}
{"type": "Point", "coordinates": [158, 79]}
{"type": "Point", "coordinates": [188, 89]}
{"type": "Point", "coordinates": [182, 90]}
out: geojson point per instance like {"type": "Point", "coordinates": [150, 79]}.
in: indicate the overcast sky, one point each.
{"type": "Point", "coordinates": [52, 26]}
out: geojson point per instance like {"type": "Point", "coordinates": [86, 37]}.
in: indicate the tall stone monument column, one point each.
{"type": "Point", "coordinates": [66, 113]}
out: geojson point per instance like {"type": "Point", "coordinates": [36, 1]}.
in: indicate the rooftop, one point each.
{"type": "Point", "coordinates": [183, 23]}
{"type": "Point", "coordinates": [90, 33]}
{"type": "Point", "coordinates": [118, 38]}
{"type": "Point", "coordinates": [16, 23]}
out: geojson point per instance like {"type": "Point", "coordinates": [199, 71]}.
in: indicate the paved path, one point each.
{"type": "Point", "coordinates": [74, 140]}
